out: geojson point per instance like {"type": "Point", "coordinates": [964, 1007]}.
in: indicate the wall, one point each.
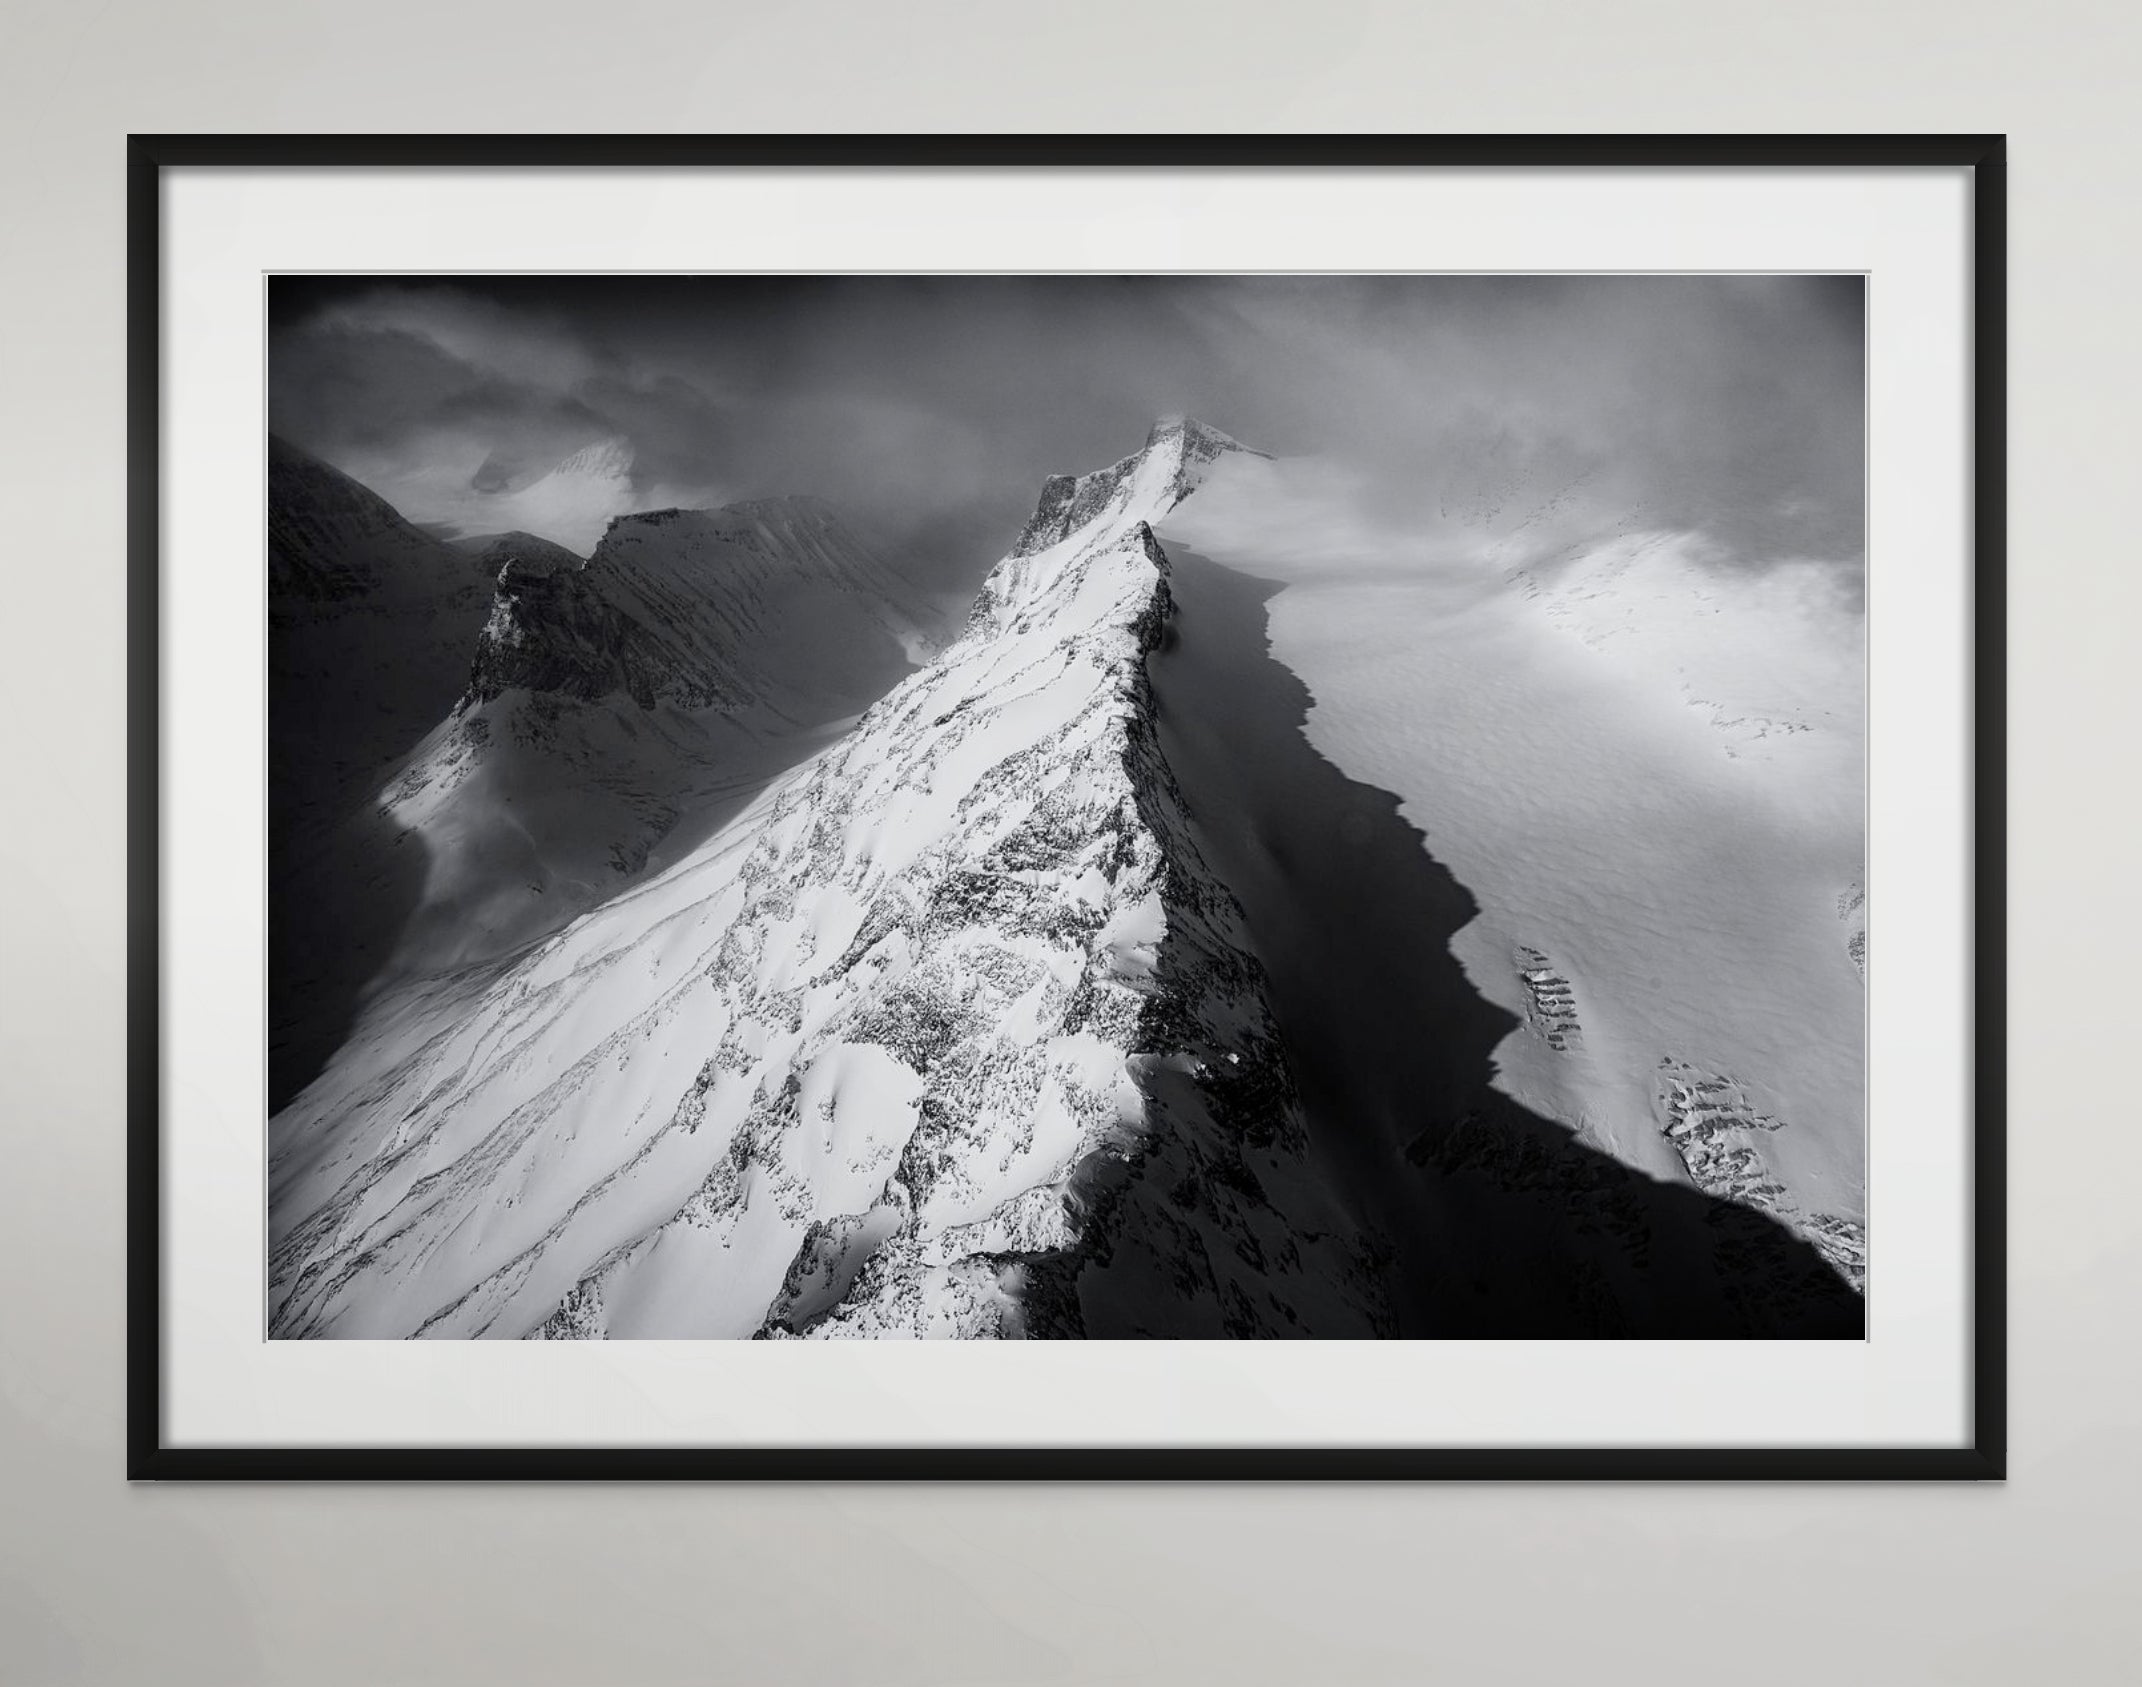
{"type": "Point", "coordinates": [102, 1582]}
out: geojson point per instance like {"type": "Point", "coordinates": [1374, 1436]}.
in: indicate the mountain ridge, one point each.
{"type": "Point", "coordinates": [681, 604]}
{"type": "Point", "coordinates": [619, 708]}
{"type": "Point", "coordinates": [964, 1028]}
{"type": "Point", "coordinates": [970, 945]}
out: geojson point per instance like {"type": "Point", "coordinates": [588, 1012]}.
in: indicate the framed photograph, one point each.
{"type": "Point", "coordinates": [1066, 807]}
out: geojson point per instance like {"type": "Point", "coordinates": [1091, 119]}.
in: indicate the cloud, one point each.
{"type": "Point", "coordinates": [526, 348]}
{"type": "Point", "coordinates": [931, 408]}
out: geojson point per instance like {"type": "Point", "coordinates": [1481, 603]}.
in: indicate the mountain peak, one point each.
{"type": "Point", "coordinates": [606, 458]}
{"type": "Point", "coordinates": [298, 479]}
{"type": "Point", "coordinates": [1207, 441]}
{"type": "Point", "coordinates": [1147, 484]}
{"type": "Point", "coordinates": [332, 538]}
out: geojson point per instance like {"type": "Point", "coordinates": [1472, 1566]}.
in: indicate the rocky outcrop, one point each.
{"type": "Point", "coordinates": [557, 631]}
{"type": "Point", "coordinates": [724, 608]}
{"type": "Point", "coordinates": [1852, 910]}
{"type": "Point", "coordinates": [1550, 1002]}
{"type": "Point", "coordinates": [1718, 1132]}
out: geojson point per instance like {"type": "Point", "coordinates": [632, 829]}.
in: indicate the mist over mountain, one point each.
{"type": "Point", "coordinates": [926, 408]}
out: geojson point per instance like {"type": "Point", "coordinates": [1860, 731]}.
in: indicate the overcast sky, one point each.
{"type": "Point", "coordinates": [930, 409]}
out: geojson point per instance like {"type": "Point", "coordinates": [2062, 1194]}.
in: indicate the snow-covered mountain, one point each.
{"type": "Point", "coordinates": [370, 627]}
{"type": "Point", "coordinates": [472, 500]}
{"type": "Point", "coordinates": [1070, 992]}
{"type": "Point", "coordinates": [874, 1060]}
{"type": "Point", "coordinates": [617, 711]}
{"type": "Point", "coordinates": [570, 500]}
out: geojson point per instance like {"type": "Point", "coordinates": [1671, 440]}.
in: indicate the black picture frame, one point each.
{"type": "Point", "coordinates": [148, 1458]}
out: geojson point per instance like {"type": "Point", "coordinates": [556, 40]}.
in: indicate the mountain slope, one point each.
{"type": "Point", "coordinates": [370, 625]}
{"type": "Point", "coordinates": [1644, 762]}
{"type": "Point", "coordinates": [618, 710]}
{"type": "Point", "coordinates": [881, 1058]}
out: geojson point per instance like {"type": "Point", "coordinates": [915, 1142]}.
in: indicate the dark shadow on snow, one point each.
{"type": "Point", "coordinates": [338, 900]}
{"type": "Point", "coordinates": [343, 875]}
{"type": "Point", "coordinates": [1483, 1219]}
{"type": "Point", "coordinates": [346, 899]}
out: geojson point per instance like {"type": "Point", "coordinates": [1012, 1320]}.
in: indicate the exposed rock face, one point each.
{"type": "Point", "coordinates": [554, 631]}
{"type": "Point", "coordinates": [1718, 1132]}
{"type": "Point", "coordinates": [953, 1033]}
{"type": "Point", "coordinates": [730, 608]}
{"type": "Point", "coordinates": [1852, 909]}
{"type": "Point", "coordinates": [625, 707]}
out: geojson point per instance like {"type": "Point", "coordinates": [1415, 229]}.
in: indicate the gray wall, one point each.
{"type": "Point", "coordinates": [102, 1582]}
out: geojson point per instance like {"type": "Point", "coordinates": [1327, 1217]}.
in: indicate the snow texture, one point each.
{"type": "Point", "coordinates": [1082, 986]}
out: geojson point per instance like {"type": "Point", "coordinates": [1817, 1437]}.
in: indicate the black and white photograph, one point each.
{"type": "Point", "coordinates": [1067, 806]}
